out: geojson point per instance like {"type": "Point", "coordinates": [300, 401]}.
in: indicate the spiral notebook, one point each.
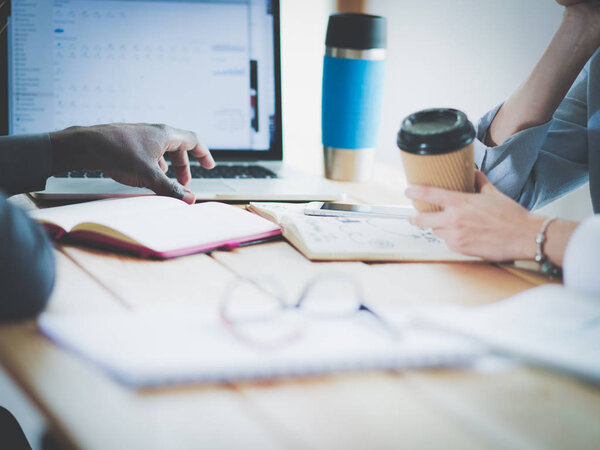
{"type": "Point", "coordinates": [154, 348]}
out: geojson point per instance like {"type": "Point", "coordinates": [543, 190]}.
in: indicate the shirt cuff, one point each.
{"type": "Point", "coordinates": [25, 162]}
{"type": "Point", "coordinates": [582, 258]}
{"type": "Point", "coordinates": [484, 123]}
{"type": "Point", "coordinates": [482, 129]}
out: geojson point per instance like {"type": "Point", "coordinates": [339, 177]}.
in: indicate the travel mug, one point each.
{"type": "Point", "coordinates": [353, 76]}
{"type": "Point", "coordinates": [437, 150]}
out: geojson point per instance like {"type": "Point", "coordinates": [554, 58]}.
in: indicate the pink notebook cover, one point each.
{"type": "Point", "coordinates": [56, 233]}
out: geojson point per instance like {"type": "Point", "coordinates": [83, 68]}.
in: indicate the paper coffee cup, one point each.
{"type": "Point", "coordinates": [437, 150]}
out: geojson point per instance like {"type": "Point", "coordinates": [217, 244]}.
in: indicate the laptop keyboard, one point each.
{"type": "Point", "coordinates": [240, 171]}
{"type": "Point", "coordinates": [228, 172]}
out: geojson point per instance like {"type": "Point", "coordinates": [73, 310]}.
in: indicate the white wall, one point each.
{"type": "Point", "coordinates": [303, 26]}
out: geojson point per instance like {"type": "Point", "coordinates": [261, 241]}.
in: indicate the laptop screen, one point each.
{"type": "Point", "coordinates": [210, 66]}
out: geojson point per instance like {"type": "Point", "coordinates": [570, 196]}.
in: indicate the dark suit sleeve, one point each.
{"type": "Point", "coordinates": [25, 163]}
{"type": "Point", "coordinates": [26, 262]}
{"type": "Point", "coordinates": [26, 258]}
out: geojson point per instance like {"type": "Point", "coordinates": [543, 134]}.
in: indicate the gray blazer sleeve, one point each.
{"type": "Point", "coordinates": [25, 163]}
{"type": "Point", "coordinates": [542, 163]}
{"type": "Point", "coordinates": [26, 264]}
{"type": "Point", "coordinates": [26, 258]}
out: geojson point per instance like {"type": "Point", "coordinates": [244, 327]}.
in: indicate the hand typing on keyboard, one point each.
{"type": "Point", "coordinates": [132, 154]}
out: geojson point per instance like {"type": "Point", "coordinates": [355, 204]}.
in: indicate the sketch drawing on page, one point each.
{"type": "Point", "coordinates": [356, 238]}
{"type": "Point", "coordinates": [380, 234]}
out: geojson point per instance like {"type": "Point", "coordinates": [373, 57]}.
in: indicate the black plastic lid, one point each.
{"type": "Point", "coordinates": [435, 131]}
{"type": "Point", "coordinates": [356, 31]}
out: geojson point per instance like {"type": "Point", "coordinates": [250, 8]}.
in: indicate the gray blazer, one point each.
{"type": "Point", "coordinates": [26, 258]}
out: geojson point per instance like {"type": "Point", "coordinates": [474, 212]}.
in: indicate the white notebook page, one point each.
{"type": "Point", "coordinates": [103, 210]}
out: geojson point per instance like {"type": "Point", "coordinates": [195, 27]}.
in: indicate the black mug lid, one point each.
{"type": "Point", "coordinates": [356, 31]}
{"type": "Point", "coordinates": [435, 131]}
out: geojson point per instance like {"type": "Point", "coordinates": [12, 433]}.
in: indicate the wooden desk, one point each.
{"type": "Point", "coordinates": [516, 407]}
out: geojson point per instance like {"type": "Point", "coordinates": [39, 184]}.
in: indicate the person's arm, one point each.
{"type": "Point", "coordinates": [26, 264]}
{"type": "Point", "coordinates": [536, 100]}
{"type": "Point", "coordinates": [538, 160]}
{"type": "Point", "coordinates": [488, 224]}
{"type": "Point", "coordinates": [539, 164]}
{"type": "Point", "coordinates": [25, 163]}
{"type": "Point", "coordinates": [133, 154]}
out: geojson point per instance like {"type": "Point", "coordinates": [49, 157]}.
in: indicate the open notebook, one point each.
{"type": "Point", "coordinates": [161, 347]}
{"type": "Point", "coordinates": [356, 238]}
{"type": "Point", "coordinates": [152, 226]}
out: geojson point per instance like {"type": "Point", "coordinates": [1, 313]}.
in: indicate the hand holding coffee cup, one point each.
{"type": "Point", "coordinates": [437, 150]}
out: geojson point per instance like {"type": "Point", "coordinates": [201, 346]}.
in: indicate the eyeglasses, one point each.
{"type": "Point", "coordinates": [256, 311]}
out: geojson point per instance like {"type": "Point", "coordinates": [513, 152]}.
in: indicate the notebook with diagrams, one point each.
{"type": "Point", "coordinates": [209, 66]}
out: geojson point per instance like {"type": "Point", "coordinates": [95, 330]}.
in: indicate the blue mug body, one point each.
{"type": "Point", "coordinates": [352, 101]}
{"type": "Point", "coordinates": [353, 78]}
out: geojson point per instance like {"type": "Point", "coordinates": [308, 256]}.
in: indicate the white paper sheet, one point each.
{"type": "Point", "coordinates": [549, 325]}
{"type": "Point", "coordinates": [101, 211]}
{"type": "Point", "coordinates": [581, 264]}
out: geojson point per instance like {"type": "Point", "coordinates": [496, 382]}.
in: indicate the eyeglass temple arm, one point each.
{"type": "Point", "coordinates": [390, 327]}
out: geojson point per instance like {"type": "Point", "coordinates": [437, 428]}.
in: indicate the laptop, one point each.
{"type": "Point", "coordinates": [210, 66]}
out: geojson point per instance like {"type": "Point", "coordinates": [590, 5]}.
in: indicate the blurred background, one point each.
{"type": "Point", "coordinates": [466, 54]}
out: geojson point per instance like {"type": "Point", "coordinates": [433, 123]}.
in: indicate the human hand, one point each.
{"type": "Point", "coordinates": [487, 224]}
{"type": "Point", "coordinates": [132, 154]}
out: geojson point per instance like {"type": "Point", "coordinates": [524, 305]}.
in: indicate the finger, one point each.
{"type": "Point", "coordinates": [433, 220]}
{"type": "Point", "coordinates": [163, 164]}
{"type": "Point", "coordinates": [437, 196]}
{"type": "Point", "coordinates": [203, 156]}
{"type": "Point", "coordinates": [162, 185]}
{"type": "Point", "coordinates": [181, 166]}
{"type": "Point", "coordinates": [482, 184]}
{"type": "Point", "coordinates": [189, 142]}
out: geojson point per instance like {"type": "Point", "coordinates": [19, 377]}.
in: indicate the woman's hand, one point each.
{"type": "Point", "coordinates": [487, 224]}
